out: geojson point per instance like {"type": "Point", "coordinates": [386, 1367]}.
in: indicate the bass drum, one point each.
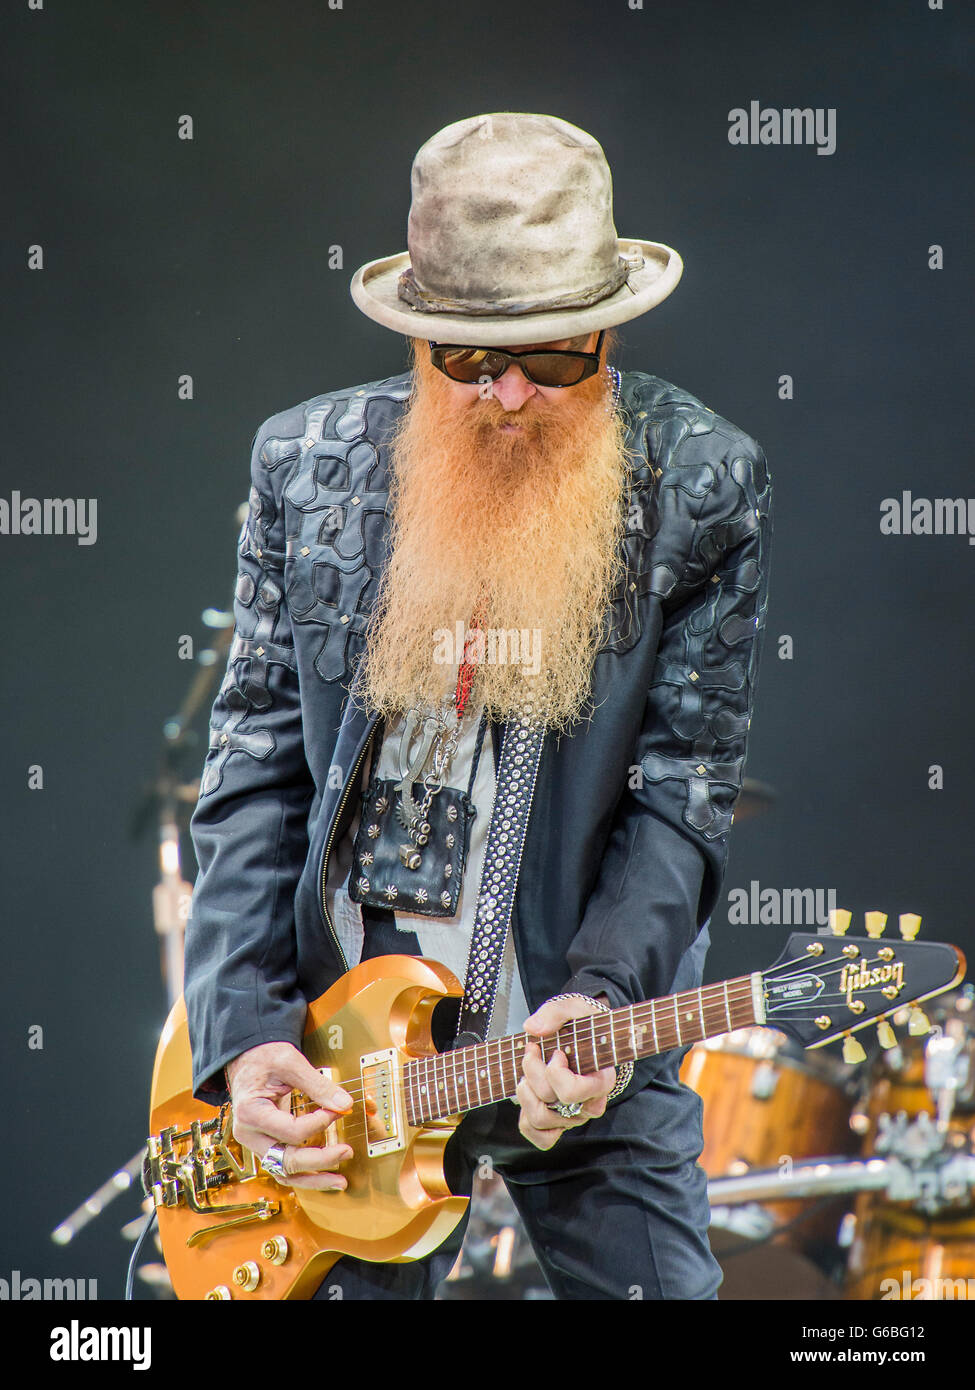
{"type": "Point", "coordinates": [899, 1251]}
{"type": "Point", "coordinates": [768, 1104]}
{"type": "Point", "coordinates": [902, 1254]}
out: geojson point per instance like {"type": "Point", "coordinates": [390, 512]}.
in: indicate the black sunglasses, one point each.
{"type": "Point", "coordinates": [545, 367]}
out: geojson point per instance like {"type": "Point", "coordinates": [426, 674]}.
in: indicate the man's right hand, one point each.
{"type": "Point", "coordinates": [261, 1081]}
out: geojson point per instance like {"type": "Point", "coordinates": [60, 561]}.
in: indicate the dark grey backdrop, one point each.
{"type": "Point", "coordinates": [208, 257]}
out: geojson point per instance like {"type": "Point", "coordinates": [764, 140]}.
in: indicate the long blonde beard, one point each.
{"type": "Point", "coordinates": [524, 529]}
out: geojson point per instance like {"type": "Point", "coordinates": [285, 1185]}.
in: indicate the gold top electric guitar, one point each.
{"type": "Point", "coordinates": [229, 1231]}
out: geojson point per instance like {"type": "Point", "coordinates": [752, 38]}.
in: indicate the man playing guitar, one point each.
{"type": "Point", "coordinates": [512, 524]}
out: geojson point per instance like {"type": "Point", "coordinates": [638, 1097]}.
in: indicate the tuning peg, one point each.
{"type": "Point", "coordinates": [876, 921]}
{"type": "Point", "coordinates": [886, 1035]}
{"type": "Point", "coordinates": [852, 1050]}
{"type": "Point", "coordinates": [839, 921]}
{"type": "Point", "coordinates": [918, 1023]}
{"type": "Point", "coordinates": [910, 925]}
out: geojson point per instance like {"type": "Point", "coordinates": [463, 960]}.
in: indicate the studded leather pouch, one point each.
{"type": "Point", "coordinates": [391, 869]}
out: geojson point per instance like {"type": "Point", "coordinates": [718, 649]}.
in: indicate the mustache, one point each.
{"type": "Point", "coordinates": [542, 425]}
{"type": "Point", "coordinates": [483, 428]}
{"type": "Point", "coordinates": [534, 407]}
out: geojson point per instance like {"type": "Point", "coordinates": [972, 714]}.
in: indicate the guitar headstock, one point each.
{"type": "Point", "coordinates": [826, 987]}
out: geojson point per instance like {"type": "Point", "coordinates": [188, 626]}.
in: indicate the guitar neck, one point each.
{"type": "Point", "coordinates": [451, 1083]}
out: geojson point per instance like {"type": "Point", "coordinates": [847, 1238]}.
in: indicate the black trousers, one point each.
{"type": "Point", "coordinates": [617, 1209]}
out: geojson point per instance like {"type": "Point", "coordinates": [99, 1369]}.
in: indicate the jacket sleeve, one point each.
{"type": "Point", "coordinates": [667, 852]}
{"type": "Point", "coordinates": [249, 828]}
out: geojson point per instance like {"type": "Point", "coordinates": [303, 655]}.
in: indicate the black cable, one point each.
{"type": "Point", "coordinates": [130, 1277]}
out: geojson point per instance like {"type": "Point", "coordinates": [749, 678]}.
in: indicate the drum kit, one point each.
{"type": "Point", "coordinates": [826, 1183]}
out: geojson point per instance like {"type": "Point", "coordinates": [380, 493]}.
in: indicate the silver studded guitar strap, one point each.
{"type": "Point", "coordinates": [521, 754]}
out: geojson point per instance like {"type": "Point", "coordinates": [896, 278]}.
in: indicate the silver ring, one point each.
{"type": "Point", "coordinates": [568, 1112]}
{"type": "Point", "coordinates": [273, 1163]}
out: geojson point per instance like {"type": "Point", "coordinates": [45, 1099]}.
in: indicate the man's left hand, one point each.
{"type": "Point", "coordinates": [544, 1084]}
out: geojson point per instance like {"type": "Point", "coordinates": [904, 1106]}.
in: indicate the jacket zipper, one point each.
{"type": "Point", "coordinates": [352, 781]}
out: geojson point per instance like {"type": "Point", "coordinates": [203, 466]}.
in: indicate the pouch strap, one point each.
{"type": "Point", "coordinates": [378, 744]}
{"type": "Point", "coordinates": [477, 751]}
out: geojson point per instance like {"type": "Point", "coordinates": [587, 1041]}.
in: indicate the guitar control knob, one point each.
{"type": "Point", "coordinates": [247, 1276]}
{"type": "Point", "coordinates": [221, 1293]}
{"type": "Point", "coordinates": [276, 1250]}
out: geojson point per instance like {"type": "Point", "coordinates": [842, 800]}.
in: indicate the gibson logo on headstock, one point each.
{"type": "Point", "coordinates": [854, 978]}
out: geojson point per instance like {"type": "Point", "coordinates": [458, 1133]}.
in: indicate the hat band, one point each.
{"type": "Point", "coordinates": [428, 303]}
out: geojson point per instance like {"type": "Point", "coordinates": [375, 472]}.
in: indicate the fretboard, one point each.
{"type": "Point", "coordinates": [451, 1083]}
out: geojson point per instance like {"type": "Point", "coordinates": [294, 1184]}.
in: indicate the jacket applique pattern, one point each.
{"type": "Point", "coordinates": [628, 840]}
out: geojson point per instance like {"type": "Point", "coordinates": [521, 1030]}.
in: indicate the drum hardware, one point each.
{"type": "Point", "coordinates": [750, 1221]}
{"type": "Point", "coordinates": [817, 1178]}
{"type": "Point", "coordinates": [846, 1234]}
{"type": "Point", "coordinates": [931, 1186]}
{"type": "Point", "coordinates": [754, 1226]}
{"type": "Point", "coordinates": [946, 1072]}
{"type": "Point", "coordinates": [917, 1110]}
{"type": "Point", "coordinates": [933, 1167]}
{"type": "Point", "coordinates": [764, 1081]}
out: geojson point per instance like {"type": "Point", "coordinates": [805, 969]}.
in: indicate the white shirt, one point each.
{"type": "Point", "coordinates": [446, 939]}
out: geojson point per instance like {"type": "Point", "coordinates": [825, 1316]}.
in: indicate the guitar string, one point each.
{"type": "Point", "coordinates": [717, 992]}
{"type": "Point", "coordinates": [738, 992]}
{"type": "Point", "coordinates": [717, 1000]}
{"type": "Point", "coordinates": [496, 1066]}
{"type": "Point", "coordinates": [715, 996]}
{"type": "Point", "coordinates": [498, 1063]}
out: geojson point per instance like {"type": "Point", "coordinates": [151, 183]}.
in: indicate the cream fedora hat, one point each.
{"type": "Point", "coordinates": [511, 240]}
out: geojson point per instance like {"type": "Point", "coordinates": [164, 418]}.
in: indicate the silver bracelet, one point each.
{"type": "Point", "coordinates": [624, 1072]}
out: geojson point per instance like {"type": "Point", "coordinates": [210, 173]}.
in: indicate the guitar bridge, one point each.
{"type": "Point", "coordinates": [186, 1166]}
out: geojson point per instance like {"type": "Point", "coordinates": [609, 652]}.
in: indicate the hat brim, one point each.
{"type": "Point", "coordinates": [374, 289]}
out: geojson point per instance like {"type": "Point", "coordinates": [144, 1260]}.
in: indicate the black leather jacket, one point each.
{"type": "Point", "coordinates": [628, 837]}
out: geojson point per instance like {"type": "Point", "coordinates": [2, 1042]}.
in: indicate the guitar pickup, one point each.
{"type": "Point", "coordinates": [382, 1101]}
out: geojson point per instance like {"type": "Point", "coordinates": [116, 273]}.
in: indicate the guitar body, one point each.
{"type": "Point", "coordinates": [241, 1234]}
